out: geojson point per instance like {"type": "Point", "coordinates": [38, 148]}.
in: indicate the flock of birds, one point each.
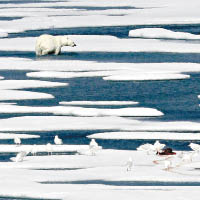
{"type": "Point", "coordinates": [156, 148]}
{"type": "Point", "coordinates": [185, 157]}
{"type": "Point", "coordinates": [93, 148]}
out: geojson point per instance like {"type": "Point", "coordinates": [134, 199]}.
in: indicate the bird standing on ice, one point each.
{"type": "Point", "coordinates": [93, 146]}
{"type": "Point", "coordinates": [57, 140]}
{"type": "Point", "coordinates": [17, 140]}
{"type": "Point", "coordinates": [20, 156]}
{"type": "Point", "coordinates": [157, 147]}
{"type": "Point", "coordinates": [129, 164]}
{"type": "Point", "coordinates": [167, 164]}
{"type": "Point", "coordinates": [49, 149]}
{"type": "Point", "coordinates": [34, 150]}
{"type": "Point", "coordinates": [195, 147]}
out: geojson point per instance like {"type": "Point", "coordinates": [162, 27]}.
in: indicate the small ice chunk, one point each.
{"type": "Point", "coordinates": [162, 33]}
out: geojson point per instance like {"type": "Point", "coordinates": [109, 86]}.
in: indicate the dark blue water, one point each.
{"type": "Point", "coordinates": [25, 1]}
{"type": "Point", "coordinates": [95, 7]}
{"type": "Point", "coordinates": [127, 183]}
{"type": "Point", "coordinates": [177, 99]}
{"type": "Point", "coordinates": [118, 31]}
{"type": "Point", "coordinates": [21, 198]}
{"type": "Point", "coordinates": [119, 57]}
{"type": "Point", "coordinates": [9, 18]}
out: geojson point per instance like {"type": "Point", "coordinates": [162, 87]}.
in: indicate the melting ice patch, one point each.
{"type": "Point", "coordinates": [49, 123]}
{"type": "Point", "coordinates": [3, 33]}
{"type": "Point", "coordinates": [180, 126]}
{"type": "Point", "coordinates": [19, 84]}
{"type": "Point", "coordinates": [20, 95]}
{"type": "Point", "coordinates": [146, 136]}
{"type": "Point", "coordinates": [92, 66]}
{"type": "Point", "coordinates": [5, 136]}
{"type": "Point", "coordinates": [80, 111]}
{"type": "Point", "coordinates": [42, 148]}
{"type": "Point", "coordinates": [99, 43]}
{"type": "Point", "coordinates": [125, 75]}
{"type": "Point", "coordinates": [128, 76]}
{"type": "Point", "coordinates": [162, 33]}
{"type": "Point", "coordinates": [8, 89]}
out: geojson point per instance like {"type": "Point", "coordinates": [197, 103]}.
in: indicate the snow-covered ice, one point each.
{"type": "Point", "coordinates": [50, 123]}
{"type": "Point", "coordinates": [5, 136]}
{"type": "Point", "coordinates": [112, 75]}
{"type": "Point", "coordinates": [162, 33]}
{"type": "Point", "coordinates": [145, 76]}
{"type": "Point", "coordinates": [20, 95]}
{"type": "Point", "coordinates": [81, 111]}
{"type": "Point", "coordinates": [146, 136]}
{"type": "Point", "coordinates": [8, 89]}
{"type": "Point", "coordinates": [103, 175]}
{"type": "Point", "coordinates": [42, 148]}
{"type": "Point", "coordinates": [85, 43]}
{"type": "Point", "coordinates": [21, 84]}
{"type": "Point", "coordinates": [99, 168]}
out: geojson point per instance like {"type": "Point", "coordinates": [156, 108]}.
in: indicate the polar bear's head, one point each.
{"type": "Point", "coordinates": [67, 42]}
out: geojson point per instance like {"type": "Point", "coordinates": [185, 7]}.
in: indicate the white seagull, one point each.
{"type": "Point", "coordinates": [49, 149]}
{"type": "Point", "coordinates": [93, 147]}
{"type": "Point", "coordinates": [187, 157]}
{"type": "Point", "coordinates": [157, 147]}
{"type": "Point", "coordinates": [195, 147]}
{"type": "Point", "coordinates": [34, 150]}
{"type": "Point", "coordinates": [17, 140]}
{"type": "Point", "coordinates": [93, 144]}
{"type": "Point", "coordinates": [57, 140]}
{"type": "Point", "coordinates": [129, 164]}
{"type": "Point", "coordinates": [20, 156]}
{"type": "Point", "coordinates": [145, 147]}
{"type": "Point", "coordinates": [167, 164]}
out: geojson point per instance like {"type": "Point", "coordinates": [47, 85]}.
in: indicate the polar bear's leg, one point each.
{"type": "Point", "coordinates": [57, 51]}
{"type": "Point", "coordinates": [45, 52]}
{"type": "Point", "coordinates": [38, 51]}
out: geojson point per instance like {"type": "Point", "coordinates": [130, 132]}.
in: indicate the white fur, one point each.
{"type": "Point", "coordinates": [49, 44]}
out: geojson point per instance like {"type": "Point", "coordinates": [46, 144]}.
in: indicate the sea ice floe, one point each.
{"type": "Point", "coordinates": [118, 75]}
{"type": "Point", "coordinates": [20, 95]}
{"type": "Point", "coordinates": [98, 43]}
{"type": "Point", "coordinates": [53, 74]}
{"type": "Point", "coordinates": [162, 33]}
{"type": "Point", "coordinates": [50, 123]}
{"type": "Point", "coordinates": [80, 111]}
{"type": "Point", "coordinates": [3, 33]}
{"type": "Point", "coordinates": [152, 13]}
{"type": "Point", "coordinates": [98, 102]}
{"type": "Point", "coordinates": [180, 126]}
{"type": "Point", "coordinates": [145, 76]}
{"type": "Point", "coordinates": [42, 148]}
{"type": "Point", "coordinates": [5, 136]}
{"type": "Point", "coordinates": [146, 136]}
{"type": "Point", "coordinates": [20, 84]}
{"type": "Point", "coordinates": [50, 66]}
{"type": "Point", "coordinates": [8, 89]}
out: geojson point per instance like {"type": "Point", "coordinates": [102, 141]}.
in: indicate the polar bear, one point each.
{"type": "Point", "coordinates": [49, 44]}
